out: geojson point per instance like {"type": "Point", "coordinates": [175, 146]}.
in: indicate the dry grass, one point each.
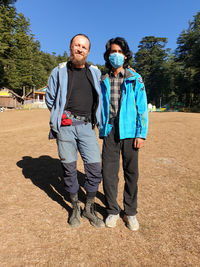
{"type": "Point", "coordinates": [34, 209]}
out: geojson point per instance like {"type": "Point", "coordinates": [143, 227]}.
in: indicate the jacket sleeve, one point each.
{"type": "Point", "coordinates": [142, 109]}
{"type": "Point", "coordinates": [96, 73]}
{"type": "Point", "coordinates": [52, 88]}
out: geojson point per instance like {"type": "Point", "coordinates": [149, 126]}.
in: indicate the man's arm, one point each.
{"type": "Point", "coordinates": [52, 88]}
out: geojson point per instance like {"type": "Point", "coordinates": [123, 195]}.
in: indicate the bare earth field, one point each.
{"type": "Point", "coordinates": [34, 209]}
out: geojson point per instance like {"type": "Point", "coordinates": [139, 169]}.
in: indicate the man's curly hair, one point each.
{"type": "Point", "coordinates": [125, 49]}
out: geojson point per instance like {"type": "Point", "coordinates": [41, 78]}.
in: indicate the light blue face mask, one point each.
{"type": "Point", "coordinates": [116, 60]}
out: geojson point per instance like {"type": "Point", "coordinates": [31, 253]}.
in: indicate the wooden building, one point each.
{"type": "Point", "coordinates": [9, 99]}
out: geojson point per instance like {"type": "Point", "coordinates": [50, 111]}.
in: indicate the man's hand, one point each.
{"type": "Point", "coordinates": [138, 143]}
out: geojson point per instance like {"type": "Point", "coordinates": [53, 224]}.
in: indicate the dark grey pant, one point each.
{"type": "Point", "coordinates": [93, 177]}
{"type": "Point", "coordinates": [110, 164]}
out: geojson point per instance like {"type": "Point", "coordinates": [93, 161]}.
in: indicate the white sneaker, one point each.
{"type": "Point", "coordinates": [111, 220]}
{"type": "Point", "coordinates": [131, 222]}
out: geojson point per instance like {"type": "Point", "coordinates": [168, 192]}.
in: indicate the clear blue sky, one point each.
{"type": "Point", "coordinates": [54, 23]}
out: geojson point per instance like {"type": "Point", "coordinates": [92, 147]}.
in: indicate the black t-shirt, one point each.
{"type": "Point", "coordinates": [81, 98]}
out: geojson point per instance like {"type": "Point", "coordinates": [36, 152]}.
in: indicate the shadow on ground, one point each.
{"type": "Point", "coordinates": [46, 173]}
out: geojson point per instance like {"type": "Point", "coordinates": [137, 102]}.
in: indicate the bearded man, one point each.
{"type": "Point", "coordinates": [73, 97]}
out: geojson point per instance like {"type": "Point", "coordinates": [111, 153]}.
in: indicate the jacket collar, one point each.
{"type": "Point", "coordinates": [128, 74]}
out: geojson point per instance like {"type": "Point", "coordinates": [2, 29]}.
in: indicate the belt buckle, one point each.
{"type": "Point", "coordinates": [78, 117]}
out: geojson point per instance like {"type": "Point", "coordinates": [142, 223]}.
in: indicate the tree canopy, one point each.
{"type": "Point", "coordinates": [22, 63]}
{"type": "Point", "coordinates": [172, 77]}
{"type": "Point", "coordinates": [7, 2]}
{"type": "Point", "coordinates": [188, 58]}
{"type": "Point", "coordinates": [150, 62]}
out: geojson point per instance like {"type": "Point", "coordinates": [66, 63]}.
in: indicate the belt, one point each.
{"type": "Point", "coordinates": [77, 117]}
{"type": "Point", "coordinates": [81, 118]}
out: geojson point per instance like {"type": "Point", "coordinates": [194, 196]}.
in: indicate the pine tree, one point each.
{"type": "Point", "coordinates": [150, 63]}
{"type": "Point", "coordinates": [188, 57]}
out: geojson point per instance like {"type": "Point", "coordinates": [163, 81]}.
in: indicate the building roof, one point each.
{"type": "Point", "coordinates": [5, 92]}
{"type": "Point", "coordinates": [40, 91]}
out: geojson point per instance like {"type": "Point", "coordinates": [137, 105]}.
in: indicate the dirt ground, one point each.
{"type": "Point", "coordinates": [34, 209]}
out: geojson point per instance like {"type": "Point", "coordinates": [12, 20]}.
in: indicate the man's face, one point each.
{"type": "Point", "coordinates": [80, 49]}
{"type": "Point", "coordinates": [116, 49]}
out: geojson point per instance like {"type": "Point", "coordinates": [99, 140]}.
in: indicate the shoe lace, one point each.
{"type": "Point", "coordinates": [76, 208]}
{"type": "Point", "coordinates": [92, 209]}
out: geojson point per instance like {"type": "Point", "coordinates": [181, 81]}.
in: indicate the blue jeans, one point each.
{"type": "Point", "coordinates": [82, 138]}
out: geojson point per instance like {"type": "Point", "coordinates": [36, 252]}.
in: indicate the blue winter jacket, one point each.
{"type": "Point", "coordinates": [56, 94]}
{"type": "Point", "coordinates": [133, 114]}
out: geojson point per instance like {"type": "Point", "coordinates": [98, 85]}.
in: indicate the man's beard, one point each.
{"type": "Point", "coordinates": [76, 61]}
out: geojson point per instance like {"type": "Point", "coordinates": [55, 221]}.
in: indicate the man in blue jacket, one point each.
{"type": "Point", "coordinates": [124, 128]}
{"type": "Point", "coordinates": [74, 99]}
